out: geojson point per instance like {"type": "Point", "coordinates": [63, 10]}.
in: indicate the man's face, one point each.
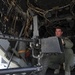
{"type": "Point", "coordinates": [58, 32]}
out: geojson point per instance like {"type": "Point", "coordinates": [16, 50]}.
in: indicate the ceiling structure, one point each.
{"type": "Point", "coordinates": [50, 12]}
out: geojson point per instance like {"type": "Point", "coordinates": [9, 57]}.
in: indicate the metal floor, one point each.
{"type": "Point", "coordinates": [51, 72]}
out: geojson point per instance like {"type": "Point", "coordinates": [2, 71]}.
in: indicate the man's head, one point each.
{"type": "Point", "coordinates": [58, 31]}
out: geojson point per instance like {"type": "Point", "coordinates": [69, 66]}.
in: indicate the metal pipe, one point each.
{"type": "Point", "coordinates": [19, 70]}
{"type": "Point", "coordinates": [12, 38]}
{"type": "Point", "coordinates": [16, 45]}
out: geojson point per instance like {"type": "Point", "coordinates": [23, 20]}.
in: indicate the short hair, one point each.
{"type": "Point", "coordinates": [59, 28]}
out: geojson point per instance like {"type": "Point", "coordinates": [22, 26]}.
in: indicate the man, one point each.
{"type": "Point", "coordinates": [68, 52]}
{"type": "Point", "coordinates": [59, 33]}
{"type": "Point", "coordinates": [55, 60]}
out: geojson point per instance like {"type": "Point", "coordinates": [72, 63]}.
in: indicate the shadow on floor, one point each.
{"type": "Point", "coordinates": [51, 72]}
